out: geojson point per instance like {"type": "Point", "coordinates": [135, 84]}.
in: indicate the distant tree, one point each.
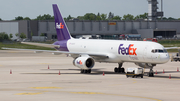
{"type": "Point", "coordinates": [128, 17]}
{"type": "Point", "coordinates": [45, 17]}
{"type": "Point", "coordinates": [178, 18]}
{"type": "Point", "coordinates": [26, 18]}
{"type": "Point", "coordinates": [103, 16]}
{"type": "Point", "coordinates": [116, 17]}
{"type": "Point", "coordinates": [170, 18]}
{"type": "Point", "coordinates": [10, 36]}
{"type": "Point", "coordinates": [22, 36]}
{"type": "Point", "coordinates": [98, 17]}
{"type": "Point", "coordinates": [89, 16]}
{"type": "Point", "coordinates": [110, 16]}
{"type": "Point", "coordinates": [142, 16]}
{"type": "Point", "coordinates": [65, 18]}
{"type": "Point", "coordinates": [31, 33]}
{"type": "Point", "coordinates": [17, 34]}
{"type": "Point", "coordinates": [42, 34]}
{"type": "Point", "coordinates": [164, 18]}
{"type": "Point", "coordinates": [69, 17]}
{"type": "Point", "coordinates": [4, 36]}
{"type": "Point", "coordinates": [80, 17]}
{"type": "Point", "coordinates": [0, 19]}
{"type": "Point", "coordinates": [19, 18]}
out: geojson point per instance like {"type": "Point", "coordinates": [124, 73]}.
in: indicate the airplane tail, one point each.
{"type": "Point", "coordinates": [60, 25]}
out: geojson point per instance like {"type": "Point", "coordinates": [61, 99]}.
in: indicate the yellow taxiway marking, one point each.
{"type": "Point", "coordinates": [134, 96]}
{"type": "Point", "coordinates": [134, 81]}
{"type": "Point", "coordinates": [86, 93]}
{"type": "Point", "coordinates": [28, 93]}
{"type": "Point", "coordinates": [12, 52]}
{"type": "Point", "coordinates": [115, 95]}
{"type": "Point", "coordinates": [0, 65]}
{"type": "Point", "coordinates": [31, 93]}
{"type": "Point", "coordinates": [46, 87]}
{"type": "Point", "coordinates": [91, 93]}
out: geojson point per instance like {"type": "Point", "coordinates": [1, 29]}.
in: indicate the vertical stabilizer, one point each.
{"type": "Point", "coordinates": [60, 25]}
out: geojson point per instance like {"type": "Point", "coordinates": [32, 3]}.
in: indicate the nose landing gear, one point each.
{"type": "Point", "coordinates": [151, 72]}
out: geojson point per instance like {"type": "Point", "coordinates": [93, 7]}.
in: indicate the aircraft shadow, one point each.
{"type": "Point", "coordinates": [100, 72]}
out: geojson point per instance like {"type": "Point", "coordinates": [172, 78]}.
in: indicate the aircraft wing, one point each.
{"type": "Point", "coordinates": [172, 47]}
{"type": "Point", "coordinates": [94, 55]}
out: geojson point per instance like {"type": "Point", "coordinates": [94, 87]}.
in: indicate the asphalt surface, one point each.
{"type": "Point", "coordinates": [32, 80]}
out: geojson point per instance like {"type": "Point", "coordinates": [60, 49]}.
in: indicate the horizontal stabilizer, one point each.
{"type": "Point", "coordinates": [41, 44]}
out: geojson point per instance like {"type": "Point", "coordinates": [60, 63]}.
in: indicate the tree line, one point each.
{"type": "Point", "coordinates": [5, 36]}
{"type": "Point", "coordinates": [92, 16]}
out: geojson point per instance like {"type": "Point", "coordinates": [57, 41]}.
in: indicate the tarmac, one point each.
{"type": "Point", "coordinates": [24, 76]}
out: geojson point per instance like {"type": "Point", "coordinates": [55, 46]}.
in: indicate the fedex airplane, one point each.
{"type": "Point", "coordinates": [88, 51]}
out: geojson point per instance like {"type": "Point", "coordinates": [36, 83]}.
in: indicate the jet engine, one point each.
{"type": "Point", "coordinates": [84, 62]}
{"type": "Point", "coordinates": [145, 65]}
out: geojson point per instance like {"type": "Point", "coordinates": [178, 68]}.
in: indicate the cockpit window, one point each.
{"type": "Point", "coordinates": [159, 51]}
{"type": "Point", "coordinates": [165, 51]}
{"type": "Point", "coordinates": [156, 51]}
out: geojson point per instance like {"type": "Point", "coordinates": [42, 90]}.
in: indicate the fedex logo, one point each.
{"type": "Point", "coordinates": [127, 50]}
{"type": "Point", "coordinates": [59, 26]}
{"type": "Point", "coordinates": [79, 62]}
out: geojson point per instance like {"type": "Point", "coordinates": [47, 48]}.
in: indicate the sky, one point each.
{"type": "Point", "coordinates": [9, 9]}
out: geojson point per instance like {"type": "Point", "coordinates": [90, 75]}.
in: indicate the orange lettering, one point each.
{"type": "Point", "coordinates": [130, 49]}
{"type": "Point", "coordinates": [134, 51]}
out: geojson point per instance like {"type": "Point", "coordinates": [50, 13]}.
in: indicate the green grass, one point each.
{"type": "Point", "coordinates": [22, 46]}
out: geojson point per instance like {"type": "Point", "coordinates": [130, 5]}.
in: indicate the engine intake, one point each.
{"type": "Point", "coordinates": [84, 62]}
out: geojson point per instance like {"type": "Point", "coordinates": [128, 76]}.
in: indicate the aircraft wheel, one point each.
{"type": "Point", "coordinates": [116, 70]}
{"type": "Point", "coordinates": [82, 70]}
{"type": "Point", "coordinates": [151, 74]}
{"type": "Point", "coordinates": [89, 71]}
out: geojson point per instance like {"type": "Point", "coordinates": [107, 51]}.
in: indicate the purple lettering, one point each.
{"type": "Point", "coordinates": [126, 50]}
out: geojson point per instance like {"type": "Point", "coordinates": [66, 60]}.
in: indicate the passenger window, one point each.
{"type": "Point", "coordinates": [156, 51]}
{"type": "Point", "coordinates": [153, 51]}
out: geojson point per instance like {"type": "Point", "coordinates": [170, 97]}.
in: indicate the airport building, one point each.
{"type": "Point", "coordinates": [147, 29]}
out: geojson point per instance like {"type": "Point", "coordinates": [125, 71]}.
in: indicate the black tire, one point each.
{"type": "Point", "coordinates": [122, 70]}
{"type": "Point", "coordinates": [141, 76]}
{"type": "Point", "coordinates": [89, 71]}
{"type": "Point", "coordinates": [152, 74]}
{"type": "Point", "coordinates": [82, 71]}
{"type": "Point", "coordinates": [85, 71]}
{"type": "Point", "coordinates": [115, 69]}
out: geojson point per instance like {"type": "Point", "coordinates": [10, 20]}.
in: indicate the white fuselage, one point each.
{"type": "Point", "coordinates": [120, 51]}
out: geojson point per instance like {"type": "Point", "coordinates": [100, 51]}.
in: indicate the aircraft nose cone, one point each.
{"type": "Point", "coordinates": [165, 58]}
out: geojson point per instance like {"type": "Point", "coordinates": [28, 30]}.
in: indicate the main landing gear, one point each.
{"type": "Point", "coordinates": [119, 69]}
{"type": "Point", "coordinates": [151, 72]}
{"type": "Point", "coordinates": [85, 71]}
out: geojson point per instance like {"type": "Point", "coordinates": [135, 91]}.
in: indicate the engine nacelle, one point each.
{"type": "Point", "coordinates": [84, 62]}
{"type": "Point", "coordinates": [145, 65]}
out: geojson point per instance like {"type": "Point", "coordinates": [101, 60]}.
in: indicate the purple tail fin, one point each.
{"type": "Point", "coordinates": [60, 25]}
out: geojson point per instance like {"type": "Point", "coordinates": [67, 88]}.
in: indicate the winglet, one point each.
{"type": "Point", "coordinates": [60, 25]}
